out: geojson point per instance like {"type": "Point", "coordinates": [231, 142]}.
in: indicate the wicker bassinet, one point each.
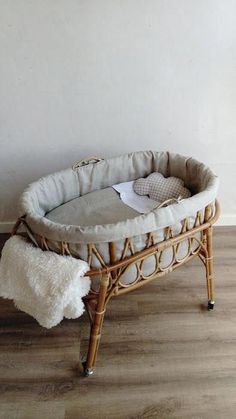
{"type": "Point", "coordinates": [76, 212]}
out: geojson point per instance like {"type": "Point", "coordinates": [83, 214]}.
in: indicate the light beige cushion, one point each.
{"type": "Point", "coordinates": [159, 188]}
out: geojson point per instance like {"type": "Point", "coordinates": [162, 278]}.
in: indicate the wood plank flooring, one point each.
{"type": "Point", "coordinates": [162, 354]}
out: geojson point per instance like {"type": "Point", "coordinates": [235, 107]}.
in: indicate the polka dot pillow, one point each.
{"type": "Point", "coordinates": [159, 188]}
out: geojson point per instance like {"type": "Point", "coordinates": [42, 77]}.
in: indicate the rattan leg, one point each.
{"type": "Point", "coordinates": [209, 269]}
{"type": "Point", "coordinates": [96, 326]}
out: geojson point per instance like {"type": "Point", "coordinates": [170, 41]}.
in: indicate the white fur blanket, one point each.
{"type": "Point", "coordinates": [44, 284]}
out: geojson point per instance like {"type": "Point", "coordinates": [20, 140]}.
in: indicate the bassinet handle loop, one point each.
{"type": "Point", "coordinates": [85, 162]}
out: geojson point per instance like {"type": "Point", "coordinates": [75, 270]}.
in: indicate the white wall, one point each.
{"type": "Point", "coordinates": [104, 77]}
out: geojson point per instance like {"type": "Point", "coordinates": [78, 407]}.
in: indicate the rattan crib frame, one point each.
{"type": "Point", "coordinates": [96, 302]}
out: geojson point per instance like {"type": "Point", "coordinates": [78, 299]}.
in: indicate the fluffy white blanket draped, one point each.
{"type": "Point", "coordinates": [44, 284]}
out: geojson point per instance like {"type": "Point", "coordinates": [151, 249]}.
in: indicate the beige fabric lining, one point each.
{"type": "Point", "coordinates": [56, 189]}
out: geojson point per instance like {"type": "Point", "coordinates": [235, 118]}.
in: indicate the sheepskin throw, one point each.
{"type": "Point", "coordinates": [44, 284]}
{"type": "Point", "coordinates": [159, 188]}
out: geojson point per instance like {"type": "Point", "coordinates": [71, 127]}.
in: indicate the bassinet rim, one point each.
{"type": "Point", "coordinates": [141, 224]}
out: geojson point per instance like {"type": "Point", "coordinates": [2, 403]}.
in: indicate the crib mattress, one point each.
{"type": "Point", "coordinates": [103, 206]}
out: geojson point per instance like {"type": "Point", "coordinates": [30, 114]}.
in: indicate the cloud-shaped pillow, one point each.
{"type": "Point", "coordinates": [159, 188]}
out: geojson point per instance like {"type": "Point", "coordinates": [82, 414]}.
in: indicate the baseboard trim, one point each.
{"type": "Point", "coordinates": [6, 227]}
{"type": "Point", "coordinates": [224, 220]}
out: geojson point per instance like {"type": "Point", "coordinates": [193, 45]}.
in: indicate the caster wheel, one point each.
{"type": "Point", "coordinates": [87, 371]}
{"type": "Point", "coordinates": [210, 305]}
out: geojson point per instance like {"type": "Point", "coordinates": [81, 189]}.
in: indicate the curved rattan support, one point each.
{"type": "Point", "coordinates": [157, 247]}
{"type": "Point", "coordinates": [111, 274]}
{"type": "Point", "coordinates": [111, 286]}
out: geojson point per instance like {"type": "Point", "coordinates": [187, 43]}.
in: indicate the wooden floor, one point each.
{"type": "Point", "coordinates": [162, 355]}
